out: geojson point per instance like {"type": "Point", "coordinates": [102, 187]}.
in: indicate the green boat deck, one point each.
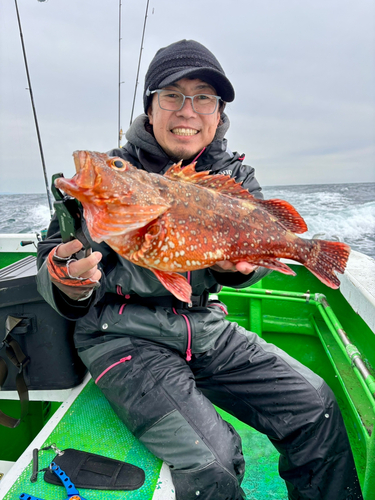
{"type": "Point", "coordinates": [289, 312]}
{"type": "Point", "coordinates": [90, 424]}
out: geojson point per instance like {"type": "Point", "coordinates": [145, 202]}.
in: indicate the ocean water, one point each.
{"type": "Point", "coordinates": [339, 212]}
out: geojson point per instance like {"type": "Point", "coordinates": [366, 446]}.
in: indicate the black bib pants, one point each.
{"type": "Point", "coordinates": [167, 404]}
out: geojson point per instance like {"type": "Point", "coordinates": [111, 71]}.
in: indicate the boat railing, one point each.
{"type": "Point", "coordinates": [321, 322]}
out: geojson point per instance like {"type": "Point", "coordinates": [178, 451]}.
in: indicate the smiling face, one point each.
{"type": "Point", "coordinates": [183, 134]}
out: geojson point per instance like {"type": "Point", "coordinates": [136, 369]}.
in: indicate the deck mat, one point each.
{"type": "Point", "coordinates": [90, 424]}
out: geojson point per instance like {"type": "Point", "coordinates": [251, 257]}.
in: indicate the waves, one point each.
{"type": "Point", "coordinates": [23, 213]}
{"type": "Point", "coordinates": [338, 212]}
{"type": "Point", "coordinates": [355, 226]}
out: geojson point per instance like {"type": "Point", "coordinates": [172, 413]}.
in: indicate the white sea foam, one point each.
{"type": "Point", "coordinates": [352, 223]}
{"type": "Point", "coordinates": [335, 212]}
{"type": "Point", "coordinates": [344, 212]}
{"type": "Point", "coordinates": [23, 213]}
{"type": "Point", "coordinates": [39, 217]}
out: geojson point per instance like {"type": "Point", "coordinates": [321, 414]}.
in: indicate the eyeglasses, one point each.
{"type": "Point", "coordinates": [172, 100]}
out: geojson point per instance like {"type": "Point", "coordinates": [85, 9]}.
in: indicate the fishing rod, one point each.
{"type": "Point", "coordinates": [139, 62]}
{"type": "Point", "coordinates": [34, 110]}
{"type": "Point", "coordinates": [120, 133]}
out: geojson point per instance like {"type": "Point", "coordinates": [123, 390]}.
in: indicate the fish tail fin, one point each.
{"type": "Point", "coordinates": [325, 258]}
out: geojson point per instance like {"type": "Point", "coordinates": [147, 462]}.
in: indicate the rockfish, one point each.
{"type": "Point", "coordinates": [187, 220]}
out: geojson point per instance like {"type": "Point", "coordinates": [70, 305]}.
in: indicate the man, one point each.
{"type": "Point", "coordinates": [163, 364]}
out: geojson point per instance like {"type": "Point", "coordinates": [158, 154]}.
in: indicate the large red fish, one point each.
{"type": "Point", "coordinates": [187, 220]}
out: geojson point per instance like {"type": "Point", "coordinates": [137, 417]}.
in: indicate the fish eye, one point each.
{"type": "Point", "coordinates": [118, 164]}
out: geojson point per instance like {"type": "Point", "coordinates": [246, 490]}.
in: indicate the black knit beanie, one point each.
{"type": "Point", "coordinates": [186, 58]}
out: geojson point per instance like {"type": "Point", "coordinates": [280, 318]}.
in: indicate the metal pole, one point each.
{"type": "Point", "coordinates": [119, 76]}
{"type": "Point", "coordinates": [139, 63]}
{"type": "Point", "coordinates": [34, 112]}
{"type": "Point", "coordinates": [349, 349]}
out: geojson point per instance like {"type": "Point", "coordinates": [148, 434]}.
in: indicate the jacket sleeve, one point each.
{"type": "Point", "coordinates": [239, 280]}
{"type": "Point", "coordinates": [70, 309]}
{"type": "Point", "coordinates": [246, 175]}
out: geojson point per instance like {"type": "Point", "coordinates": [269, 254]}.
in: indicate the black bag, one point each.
{"type": "Point", "coordinates": [37, 350]}
{"type": "Point", "coordinates": [88, 470]}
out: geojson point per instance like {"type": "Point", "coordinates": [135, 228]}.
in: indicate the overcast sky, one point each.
{"type": "Point", "coordinates": [303, 70]}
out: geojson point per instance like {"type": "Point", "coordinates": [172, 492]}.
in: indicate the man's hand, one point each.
{"type": "Point", "coordinates": [226, 266]}
{"type": "Point", "coordinates": [83, 268]}
{"type": "Point", "coordinates": [75, 278]}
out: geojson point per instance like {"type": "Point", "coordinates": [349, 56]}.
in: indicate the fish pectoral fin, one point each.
{"type": "Point", "coordinates": [148, 239]}
{"type": "Point", "coordinates": [120, 220]}
{"type": "Point", "coordinates": [273, 264]}
{"type": "Point", "coordinates": [174, 283]}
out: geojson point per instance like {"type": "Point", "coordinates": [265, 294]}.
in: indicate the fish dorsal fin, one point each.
{"type": "Point", "coordinates": [225, 184]}
{"type": "Point", "coordinates": [283, 211]}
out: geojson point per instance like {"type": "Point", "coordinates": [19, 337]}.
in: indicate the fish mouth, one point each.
{"type": "Point", "coordinates": [80, 159]}
{"type": "Point", "coordinates": [184, 131]}
{"type": "Point", "coordinates": [86, 174]}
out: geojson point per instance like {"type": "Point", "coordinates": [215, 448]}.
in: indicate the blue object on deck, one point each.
{"type": "Point", "coordinates": [73, 493]}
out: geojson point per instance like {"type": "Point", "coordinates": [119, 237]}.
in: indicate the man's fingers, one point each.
{"type": "Point", "coordinates": [224, 265]}
{"type": "Point", "coordinates": [227, 266]}
{"type": "Point", "coordinates": [94, 274]}
{"type": "Point", "coordinates": [67, 249]}
{"type": "Point", "coordinates": [78, 268]}
{"type": "Point", "coordinates": [245, 267]}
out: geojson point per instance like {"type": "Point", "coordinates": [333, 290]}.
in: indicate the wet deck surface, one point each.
{"type": "Point", "coordinates": [261, 481]}
{"type": "Point", "coordinates": [91, 425]}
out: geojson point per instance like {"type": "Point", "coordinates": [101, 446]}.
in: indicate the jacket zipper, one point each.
{"type": "Point", "coordinates": [122, 360]}
{"type": "Point", "coordinates": [188, 347]}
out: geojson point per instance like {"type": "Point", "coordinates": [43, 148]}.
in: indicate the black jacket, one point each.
{"type": "Point", "coordinates": [131, 301]}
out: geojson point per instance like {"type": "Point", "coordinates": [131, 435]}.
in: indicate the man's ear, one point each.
{"type": "Point", "coordinates": [149, 114]}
